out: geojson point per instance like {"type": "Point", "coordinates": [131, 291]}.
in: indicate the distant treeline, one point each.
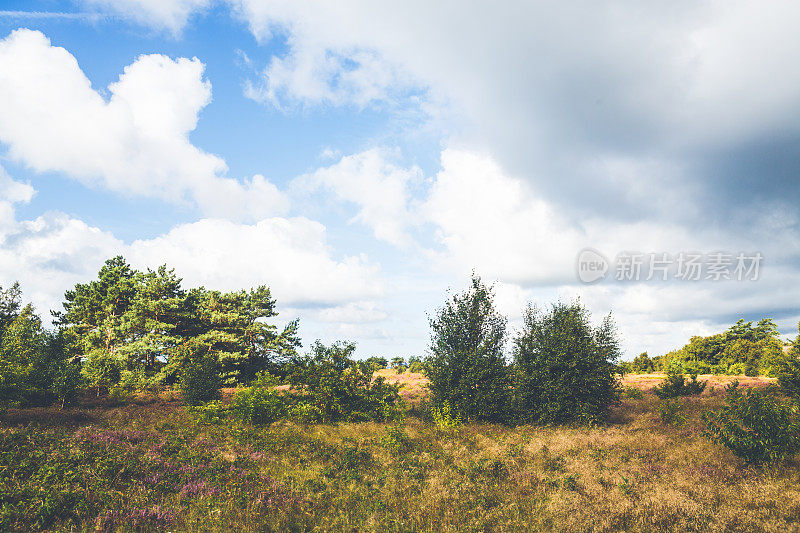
{"type": "Point", "coordinates": [743, 348]}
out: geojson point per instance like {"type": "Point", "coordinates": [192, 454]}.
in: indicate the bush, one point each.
{"type": "Point", "coordinates": [200, 378]}
{"type": "Point", "coordinates": [467, 369]}
{"type": "Point", "coordinates": [756, 426]}
{"type": "Point", "coordinates": [259, 403]}
{"type": "Point", "coordinates": [340, 388]}
{"type": "Point", "coordinates": [670, 412]}
{"type": "Point", "coordinates": [789, 375]}
{"type": "Point", "coordinates": [676, 385]}
{"type": "Point", "coordinates": [566, 369]}
{"type": "Point", "coordinates": [632, 393]}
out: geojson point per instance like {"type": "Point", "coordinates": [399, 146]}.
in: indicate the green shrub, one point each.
{"type": "Point", "coordinates": [341, 388]}
{"type": "Point", "coordinates": [467, 368]}
{"type": "Point", "coordinates": [306, 413]}
{"type": "Point", "coordinates": [789, 375]}
{"type": "Point", "coordinates": [676, 385]}
{"type": "Point", "coordinates": [632, 393]}
{"type": "Point", "coordinates": [259, 403]}
{"type": "Point", "coordinates": [670, 412]}
{"type": "Point", "coordinates": [756, 426]}
{"type": "Point", "coordinates": [444, 418]}
{"type": "Point", "coordinates": [566, 367]}
{"type": "Point", "coordinates": [200, 379]}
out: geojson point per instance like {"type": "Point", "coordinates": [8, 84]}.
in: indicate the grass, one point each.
{"type": "Point", "coordinates": [151, 465]}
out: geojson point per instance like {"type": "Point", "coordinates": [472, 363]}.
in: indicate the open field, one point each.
{"type": "Point", "coordinates": [151, 464]}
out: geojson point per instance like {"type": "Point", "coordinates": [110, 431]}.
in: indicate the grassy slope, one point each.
{"type": "Point", "coordinates": [151, 464]}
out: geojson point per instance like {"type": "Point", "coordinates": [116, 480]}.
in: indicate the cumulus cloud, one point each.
{"type": "Point", "coordinates": [379, 189]}
{"type": "Point", "coordinates": [134, 143]}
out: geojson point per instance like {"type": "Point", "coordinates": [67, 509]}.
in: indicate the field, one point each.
{"type": "Point", "coordinates": [151, 464]}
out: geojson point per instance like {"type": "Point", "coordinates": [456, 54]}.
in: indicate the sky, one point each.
{"type": "Point", "coordinates": [364, 158]}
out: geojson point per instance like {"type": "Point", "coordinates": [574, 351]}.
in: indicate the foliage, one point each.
{"type": "Point", "coordinates": [670, 412]}
{"type": "Point", "coordinates": [565, 367]}
{"type": "Point", "coordinates": [676, 385]}
{"type": "Point", "coordinates": [788, 370]}
{"type": "Point", "coordinates": [642, 364]}
{"type": "Point", "coordinates": [259, 403]}
{"type": "Point", "coordinates": [398, 364]}
{"type": "Point", "coordinates": [200, 378]}
{"type": "Point", "coordinates": [33, 365]}
{"type": "Point", "coordinates": [416, 364]}
{"type": "Point", "coordinates": [467, 368]}
{"type": "Point", "coordinates": [756, 426]}
{"type": "Point", "coordinates": [377, 363]}
{"type": "Point", "coordinates": [444, 418]}
{"type": "Point", "coordinates": [632, 393]}
{"type": "Point", "coordinates": [142, 319]}
{"type": "Point", "coordinates": [743, 348]}
{"type": "Point", "coordinates": [341, 388]}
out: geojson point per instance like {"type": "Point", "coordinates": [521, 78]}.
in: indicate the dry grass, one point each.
{"type": "Point", "coordinates": [637, 473]}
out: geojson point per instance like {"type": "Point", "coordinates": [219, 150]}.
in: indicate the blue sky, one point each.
{"type": "Point", "coordinates": [362, 159]}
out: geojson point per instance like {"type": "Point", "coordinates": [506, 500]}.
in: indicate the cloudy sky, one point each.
{"type": "Point", "coordinates": [361, 158]}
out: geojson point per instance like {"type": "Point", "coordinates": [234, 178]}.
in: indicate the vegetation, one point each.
{"type": "Point", "coordinates": [744, 349]}
{"type": "Point", "coordinates": [324, 441]}
{"type": "Point", "coordinates": [153, 465]}
{"type": "Point", "coordinates": [676, 385]}
{"type": "Point", "coordinates": [467, 369]}
{"type": "Point", "coordinates": [757, 426]}
{"type": "Point", "coordinates": [565, 367]}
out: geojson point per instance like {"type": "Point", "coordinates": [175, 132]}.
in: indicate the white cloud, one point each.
{"type": "Point", "coordinates": [135, 143]}
{"type": "Point", "coordinates": [289, 255]}
{"type": "Point", "coordinates": [170, 15]}
{"type": "Point", "coordinates": [378, 188]}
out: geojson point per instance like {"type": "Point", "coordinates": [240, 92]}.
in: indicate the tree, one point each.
{"type": "Point", "coordinates": [398, 364]}
{"type": "Point", "coordinates": [467, 369]}
{"type": "Point", "coordinates": [137, 322]}
{"type": "Point", "coordinates": [642, 364]}
{"type": "Point", "coordinates": [565, 366]}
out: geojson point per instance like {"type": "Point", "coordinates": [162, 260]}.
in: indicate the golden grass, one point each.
{"type": "Point", "coordinates": [636, 473]}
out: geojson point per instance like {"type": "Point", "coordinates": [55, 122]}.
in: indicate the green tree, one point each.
{"type": "Point", "coordinates": [642, 364]}
{"type": "Point", "coordinates": [467, 369]}
{"type": "Point", "coordinates": [565, 366]}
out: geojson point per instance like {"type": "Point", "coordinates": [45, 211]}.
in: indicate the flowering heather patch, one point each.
{"type": "Point", "coordinates": [165, 471]}
{"type": "Point", "coordinates": [155, 517]}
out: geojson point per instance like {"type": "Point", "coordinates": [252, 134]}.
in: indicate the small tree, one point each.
{"type": "Point", "coordinates": [642, 364]}
{"type": "Point", "coordinates": [565, 366]}
{"type": "Point", "coordinates": [466, 368]}
{"type": "Point", "coordinates": [200, 377]}
{"type": "Point", "coordinates": [398, 364]}
{"type": "Point", "coordinates": [756, 426]}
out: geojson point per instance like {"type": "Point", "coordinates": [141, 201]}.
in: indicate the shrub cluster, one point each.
{"type": "Point", "coordinates": [676, 385]}
{"type": "Point", "coordinates": [757, 426]}
{"type": "Point", "coordinates": [328, 385]}
{"type": "Point", "coordinates": [563, 368]}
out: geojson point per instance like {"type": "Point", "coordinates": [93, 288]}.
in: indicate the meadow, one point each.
{"type": "Point", "coordinates": [150, 463]}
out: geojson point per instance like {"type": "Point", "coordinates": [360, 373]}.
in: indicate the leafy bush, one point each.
{"type": "Point", "coordinates": [566, 369]}
{"type": "Point", "coordinates": [670, 412]}
{"type": "Point", "coordinates": [467, 368]}
{"type": "Point", "coordinates": [341, 388]}
{"type": "Point", "coordinates": [632, 393]}
{"type": "Point", "coordinates": [444, 418]}
{"type": "Point", "coordinates": [200, 378]}
{"type": "Point", "coordinates": [306, 413]}
{"type": "Point", "coordinates": [789, 373]}
{"type": "Point", "coordinates": [676, 385]}
{"type": "Point", "coordinates": [756, 426]}
{"type": "Point", "coordinates": [259, 403]}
